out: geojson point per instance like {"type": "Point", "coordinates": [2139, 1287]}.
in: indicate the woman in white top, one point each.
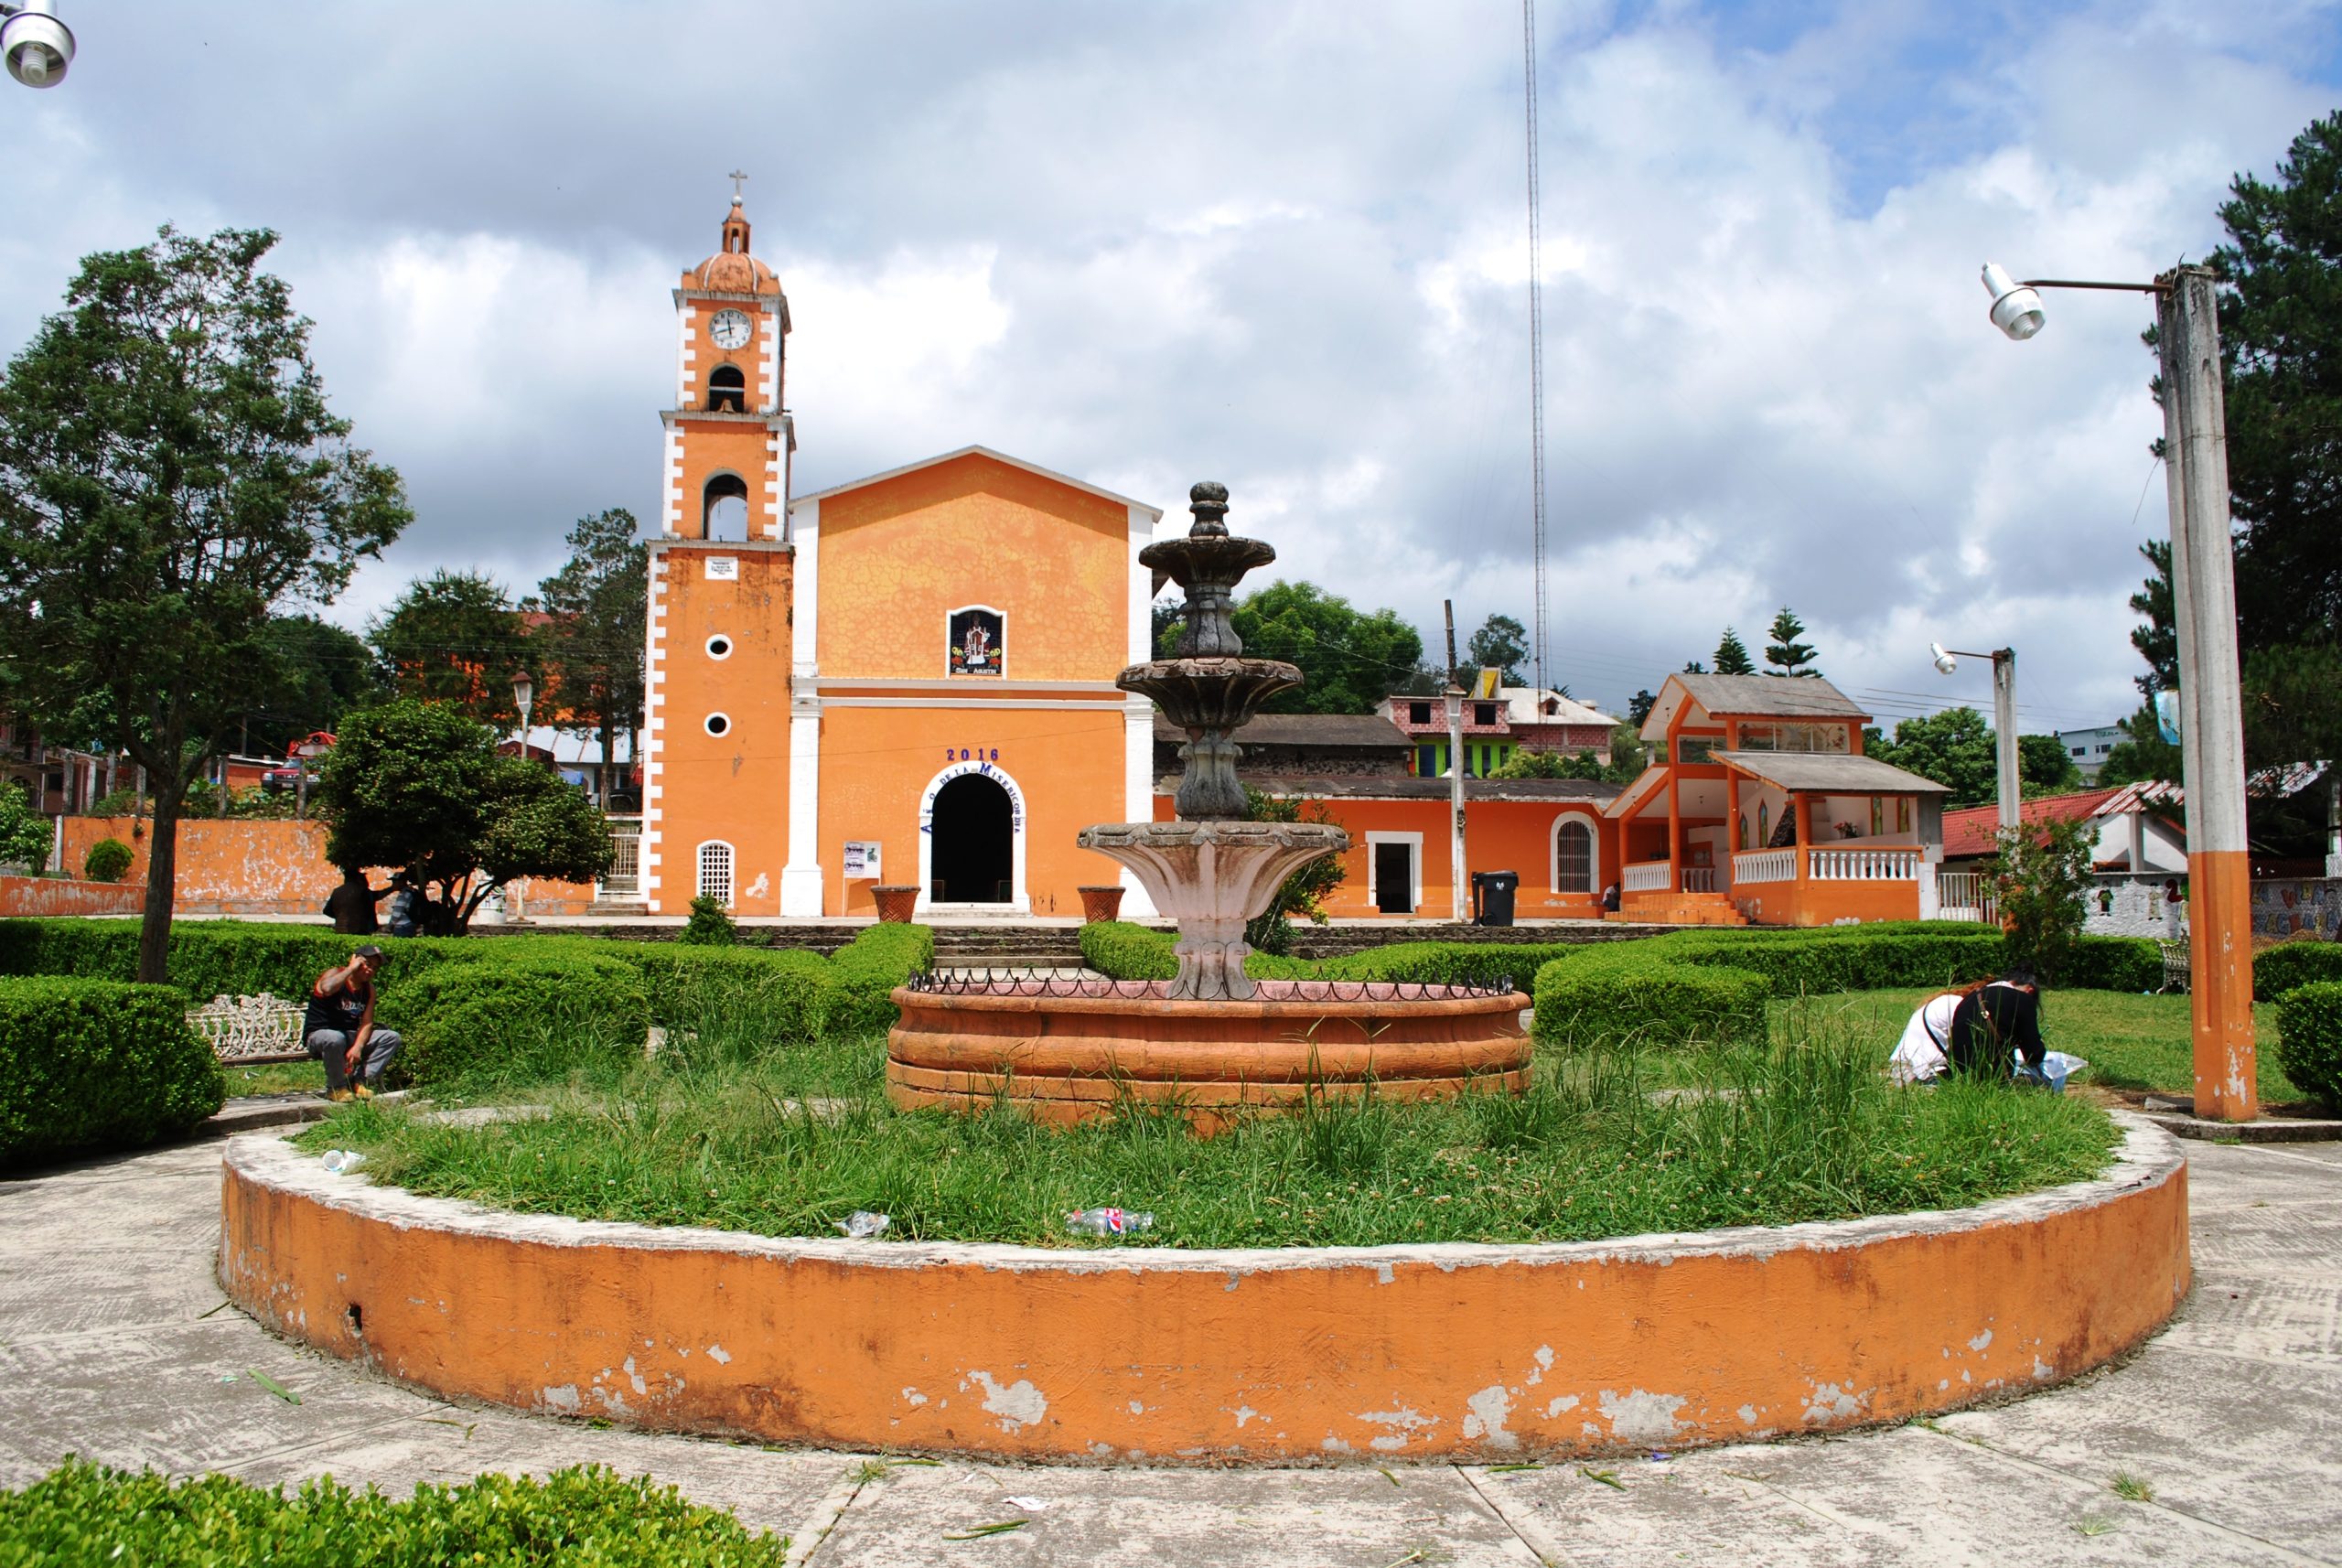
{"type": "Point", "coordinates": [1924, 1052]}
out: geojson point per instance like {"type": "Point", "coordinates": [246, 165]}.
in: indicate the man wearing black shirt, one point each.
{"type": "Point", "coordinates": [339, 1031]}
{"type": "Point", "coordinates": [2003, 1015]}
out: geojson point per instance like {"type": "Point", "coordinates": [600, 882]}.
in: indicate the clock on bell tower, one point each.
{"type": "Point", "coordinates": [729, 440]}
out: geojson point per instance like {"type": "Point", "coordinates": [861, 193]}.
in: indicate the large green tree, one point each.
{"type": "Point", "coordinates": [1501, 643]}
{"type": "Point", "coordinates": [419, 786]}
{"type": "Point", "coordinates": [1953, 747]}
{"type": "Point", "coordinates": [453, 638]}
{"type": "Point", "coordinates": [328, 672]}
{"type": "Point", "coordinates": [589, 647]}
{"type": "Point", "coordinates": [2043, 766]}
{"type": "Point", "coordinates": [1731, 657]}
{"type": "Point", "coordinates": [1350, 658]}
{"type": "Point", "coordinates": [170, 476]}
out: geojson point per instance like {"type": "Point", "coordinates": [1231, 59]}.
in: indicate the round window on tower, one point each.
{"type": "Point", "coordinates": [718, 724]}
{"type": "Point", "coordinates": [719, 647]}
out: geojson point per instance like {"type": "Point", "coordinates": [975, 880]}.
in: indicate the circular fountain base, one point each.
{"type": "Point", "coordinates": [1068, 1051]}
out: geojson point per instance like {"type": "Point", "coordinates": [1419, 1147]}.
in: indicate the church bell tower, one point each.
{"type": "Point", "coordinates": [715, 720]}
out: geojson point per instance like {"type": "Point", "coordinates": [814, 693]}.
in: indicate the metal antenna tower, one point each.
{"type": "Point", "coordinates": [1536, 353]}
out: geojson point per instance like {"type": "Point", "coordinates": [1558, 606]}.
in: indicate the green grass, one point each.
{"type": "Point", "coordinates": [1775, 1136]}
{"type": "Point", "coordinates": [277, 1078]}
{"type": "Point", "coordinates": [2130, 1042]}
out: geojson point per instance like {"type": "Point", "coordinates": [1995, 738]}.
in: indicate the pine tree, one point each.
{"type": "Point", "coordinates": [1731, 655]}
{"type": "Point", "coordinates": [1789, 656]}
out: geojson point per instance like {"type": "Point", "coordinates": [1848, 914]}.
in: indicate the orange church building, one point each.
{"type": "Point", "coordinates": [909, 680]}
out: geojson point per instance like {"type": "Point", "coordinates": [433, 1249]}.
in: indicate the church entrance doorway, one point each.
{"type": "Point", "coordinates": [972, 843]}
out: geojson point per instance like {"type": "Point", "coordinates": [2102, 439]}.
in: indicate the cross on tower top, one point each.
{"type": "Point", "coordinates": [737, 179]}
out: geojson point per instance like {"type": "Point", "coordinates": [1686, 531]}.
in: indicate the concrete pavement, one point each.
{"type": "Point", "coordinates": [115, 1344]}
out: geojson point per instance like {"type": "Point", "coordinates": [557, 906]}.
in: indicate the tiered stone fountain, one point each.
{"type": "Point", "coordinates": [1211, 1041]}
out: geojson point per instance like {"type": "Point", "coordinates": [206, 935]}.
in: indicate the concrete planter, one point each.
{"type": "Point", "coordinates": [895, 904]}
{"type": "Point", "coordinates": [1100, 903]}
{"type": "Point", "coordinates": [1370, 1353]}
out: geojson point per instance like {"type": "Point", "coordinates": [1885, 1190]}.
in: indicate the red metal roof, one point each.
{"type": "Point", "coordinates": [1968, 834]}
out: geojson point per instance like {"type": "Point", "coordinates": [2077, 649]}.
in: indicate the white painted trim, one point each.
{"type": "Point", "coordinates": [1593, 824]}
{"type": "Point", "coordinates": [1018, 903]}
{"type": "Point", "coordinates": [1142, 612]}
{"type": "Point", "coordinates": [1415, 891]}
{"type": "Point", "coordinates": [997, 457]}
{"type": "Point", "coordinates": [1138, 792]}
{"type": "Point", "coordinates": [805, 596]}
{"type": "Point", "coordinates": [961, 681]}
{"type": "Point", "coordinates": [671, 488]}
{"type": "Point", "coordinates": [1088, 705]}
{"type": "Point", "coordinates": [802, 886]}
{"type": "Point", "coordinates": [651, 741]}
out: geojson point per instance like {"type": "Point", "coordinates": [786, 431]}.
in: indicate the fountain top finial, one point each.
{"type": "Point", "coordinates": [1209, 501]}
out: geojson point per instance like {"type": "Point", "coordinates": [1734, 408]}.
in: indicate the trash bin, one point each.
{"type": "Point", "coordinates": [1492, 894]}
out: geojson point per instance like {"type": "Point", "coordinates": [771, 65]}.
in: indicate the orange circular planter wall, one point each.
{"type": "Point", "coordinates": [1448, 1351]}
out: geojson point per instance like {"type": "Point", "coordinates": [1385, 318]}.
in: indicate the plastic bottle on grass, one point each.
{"type": "Point", "coordinates": [1109, 1222]}
{"type": "Point", "coordinates": [341, 1162]}
{"type": "Point", "coordinates": [862, 1225]}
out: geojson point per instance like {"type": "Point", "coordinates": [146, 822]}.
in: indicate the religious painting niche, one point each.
{"type": "Point", "coordinates": [979, 641]}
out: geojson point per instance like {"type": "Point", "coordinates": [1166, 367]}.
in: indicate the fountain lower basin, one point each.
{"type": "Point", "coordinates": [1070, 1050]}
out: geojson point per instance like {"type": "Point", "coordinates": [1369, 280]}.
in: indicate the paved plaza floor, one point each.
{"type": "Point", "coordinates": [115, 1344]}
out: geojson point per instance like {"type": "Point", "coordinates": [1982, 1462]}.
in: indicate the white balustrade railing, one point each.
{"type": "Point", "coordinates": [1699, 880]}
{"type": "Point", "coordinates": [1763, 865]}
{"type": "Point", "coordinates": [1966, 895]}
{"type": "Point", "coordinates": [1652, 877]}
{"type": "Point", "coordinates": [1863, 864]}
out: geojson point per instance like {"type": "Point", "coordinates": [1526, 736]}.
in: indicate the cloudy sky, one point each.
{"type": "Point", "coordinates": [1282, 245]}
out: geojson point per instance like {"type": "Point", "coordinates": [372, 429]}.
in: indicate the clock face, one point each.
{"type": "Point", "coordinates": [729, 329]}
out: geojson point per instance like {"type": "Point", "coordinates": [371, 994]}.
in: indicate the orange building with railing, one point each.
{"type": "Point", "coordinates": [1760, 806]}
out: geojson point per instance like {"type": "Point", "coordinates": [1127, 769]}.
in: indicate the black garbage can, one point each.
{"type": "Point", "coordinates": [1492, 894]}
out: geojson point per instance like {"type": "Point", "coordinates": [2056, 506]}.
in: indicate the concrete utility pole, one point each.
{"type": "Point", "coordinates": [2004, 732]}
{"type": "Point", "coordinates": [1455, 802]}
{"type": "Point", "coordinates": [1459, 894]}
{"type": "Point", "coordinates": [2212, 724]}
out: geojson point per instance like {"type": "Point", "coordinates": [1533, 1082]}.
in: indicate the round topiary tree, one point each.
{"type": "Point", "coordinates": [107, 861]}
{"type": "Point", "coordinates": [2309, 1039]}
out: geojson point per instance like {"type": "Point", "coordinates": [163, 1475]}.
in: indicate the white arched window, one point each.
{"type": "Point", "coordinates": [715, 872]}
{"type": "Point", "coordinates": [1573, 855]}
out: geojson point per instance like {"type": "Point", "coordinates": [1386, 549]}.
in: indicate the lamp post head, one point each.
{"type": "Point", "coordinates": [522, 692]}
{"type": "Point", "coordinates": [1945, 663]}
{"type": "Point", "coordinates": [35, 44]}
{"type": "Point", "coordinates": [2016, 310]}
{"type": "Point", "coordinates": [1454, 699]}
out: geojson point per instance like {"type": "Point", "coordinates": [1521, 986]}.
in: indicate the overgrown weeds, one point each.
{"type": "Point", "coordinates": [1603, 1144]}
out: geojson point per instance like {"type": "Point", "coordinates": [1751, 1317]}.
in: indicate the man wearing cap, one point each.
{"type": "Point", "coordinates": [340, 1027]}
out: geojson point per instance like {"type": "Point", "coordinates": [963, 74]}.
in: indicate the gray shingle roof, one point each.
{"type": "Point", "coordinates": [1828, 773]}
{"type": "Point", "coordinates": [1405, 787]}
{"type": "Point", "coordinates": [1770, 696]}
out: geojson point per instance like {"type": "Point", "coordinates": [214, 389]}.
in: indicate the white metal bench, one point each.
{"type": "Point", "coordinates": [2175, 973]}
{"type": "Point", "coordinates": [248, 1030]}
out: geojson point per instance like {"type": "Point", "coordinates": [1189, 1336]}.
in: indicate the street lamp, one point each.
{"type": "Point", "coordinates": [2212, 724]}
{"type": "Point", "coordinates": [35, 44]}
{"type": "Point", "coordinates": [523, 691]}
{"type": "Point", "coordinates": [2004, 716]}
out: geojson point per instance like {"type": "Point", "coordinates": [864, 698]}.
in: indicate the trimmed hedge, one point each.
{"type": "Point", "coordinates": [81, 1513]}
{"type": "Point", "coordinates": [532, 1015]}
{"type": "Point", "coordinates": [1125, 951]}
{"type": "Point", "coordinates": [2309, 1039]}
{"type": "Point", "coordinates": [95, 1064]}
{"type": "Point", "coordinates": [864, 972]}
{"type": "Point", "coordinates": [2290, 965]}
{"type": "Point", "coordinates": [1425, 963]}
{"type": "Point", "coordinates": [1611, 993]}
{"type": "Point", "coordinates": [739, 994]}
